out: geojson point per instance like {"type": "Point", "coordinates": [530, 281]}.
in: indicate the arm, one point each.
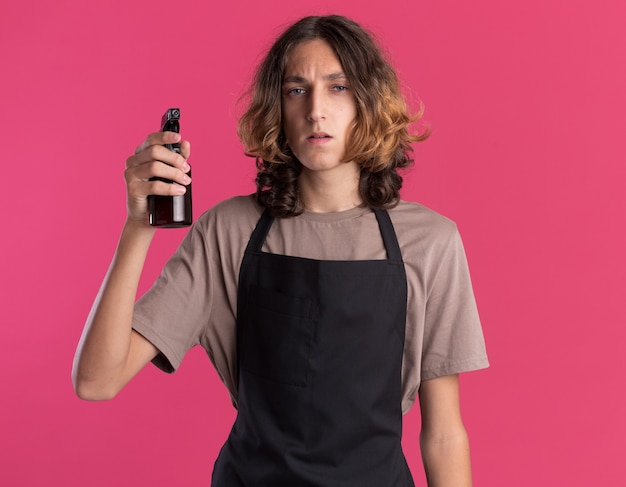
{"type": "Point", "coordinates": [110, 353]}
{"type": "Point", "coordinates": [443, 439]}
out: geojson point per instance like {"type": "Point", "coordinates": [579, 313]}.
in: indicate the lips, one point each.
{"type": "Point", "coordinates": [318, 139]}
{"type": "Point", "coordinates": [319, 135]}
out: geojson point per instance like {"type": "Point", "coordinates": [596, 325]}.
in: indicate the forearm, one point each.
{"type": "Point", "coordinates": [447, 459]}
{"type": "Point", "coordinates": [102, 355]}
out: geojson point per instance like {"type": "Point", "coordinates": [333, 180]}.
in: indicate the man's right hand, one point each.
{"type": "Point", "coordinates": [151, 160]}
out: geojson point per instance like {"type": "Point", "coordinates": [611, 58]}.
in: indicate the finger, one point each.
{"type": "Point", "coordinates": [185, 149]}
{"type": "Point", "coordinates": [165, 189]}
{"type": "Point", "coordinates": [157, 153]}
{"type": "Point", "coordinates": [158, 138]}
{"type": "Point", "coordinates": [156, 169]}
{"type": "Point", "coordinates": [139, 190]}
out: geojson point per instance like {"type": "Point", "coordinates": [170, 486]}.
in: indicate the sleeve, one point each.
{"type": "Point", "coordinates": [453, 337]}
{"type": "Point", "coordinates": [173, 313]}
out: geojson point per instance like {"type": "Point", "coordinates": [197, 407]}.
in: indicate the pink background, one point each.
{"type": "Point", "coordinates": [527, 104]}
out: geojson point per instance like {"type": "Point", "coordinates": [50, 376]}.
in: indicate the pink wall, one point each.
{"type": "Point", "coordinates": [527, 104]}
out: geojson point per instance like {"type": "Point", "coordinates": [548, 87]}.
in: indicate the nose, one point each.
{"type": "Point", "coordinates": [317, 105]}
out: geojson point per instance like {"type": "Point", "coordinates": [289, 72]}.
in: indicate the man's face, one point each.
{"type": "Point", "coordinates": [318, 106]}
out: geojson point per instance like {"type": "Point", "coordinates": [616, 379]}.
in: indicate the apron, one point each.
{"type": "Point", "coordinates": [320, 347]}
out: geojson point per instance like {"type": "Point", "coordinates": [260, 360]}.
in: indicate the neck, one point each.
{"type": "Point", "coordinates": [330, 191]}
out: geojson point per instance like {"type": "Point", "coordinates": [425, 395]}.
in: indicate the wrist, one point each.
{"type": "Point", "coordinates": [137, 231]}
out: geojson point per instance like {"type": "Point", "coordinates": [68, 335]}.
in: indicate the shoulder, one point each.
{"type": "Point", "coordinates": [226, 224]}
{"type": "Point", "coordinates": [235, 211]}
{"type": "Point", "coordinates": [412, 213]}
{"type": "Point", "coordinates": [419, 227]}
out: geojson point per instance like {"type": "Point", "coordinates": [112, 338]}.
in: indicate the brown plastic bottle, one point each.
{"type": "Point", "coordinates": [171, 211]}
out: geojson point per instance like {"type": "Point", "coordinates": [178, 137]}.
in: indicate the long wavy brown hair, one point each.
{"type": "Point", "coordinates": [379, 140]}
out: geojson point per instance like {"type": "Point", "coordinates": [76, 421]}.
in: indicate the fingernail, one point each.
{"type": "Point", "coordinates": [176, 137]}
{"type": "Point", "coordinates": [180, 189]}
{"type": "Point", "coordinates": [186, 167]}
{"type": "Point", "coordinates": [186, 179]}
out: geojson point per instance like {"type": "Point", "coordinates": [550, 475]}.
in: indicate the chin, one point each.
{"type": "Point", "coordinates": [319, 165]}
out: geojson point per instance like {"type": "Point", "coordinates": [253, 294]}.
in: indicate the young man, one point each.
{"type": "Point", "coordinates": [324, 301]}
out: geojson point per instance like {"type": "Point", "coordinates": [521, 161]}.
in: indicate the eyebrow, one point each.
{"type": "Point", "coordinates": [300, 79]}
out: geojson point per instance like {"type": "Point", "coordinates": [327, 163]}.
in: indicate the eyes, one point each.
{"type": "Point", "coordinates": [295, 91]}
{"type": "Point", "coordinates": [301, 91]}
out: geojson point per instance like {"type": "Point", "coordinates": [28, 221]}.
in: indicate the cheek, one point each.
{"type": "Point", "coordinates": [349, 113]}
{"type": "Point", "coordinates": [349, 120]}
{"type": "Point", "coordinates": [287, 132]}
{"type": "Point", "coordinates": [287, 124]}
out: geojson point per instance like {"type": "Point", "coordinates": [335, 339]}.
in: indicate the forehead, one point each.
{"type": "Point", "coordinates": [315, 55]}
